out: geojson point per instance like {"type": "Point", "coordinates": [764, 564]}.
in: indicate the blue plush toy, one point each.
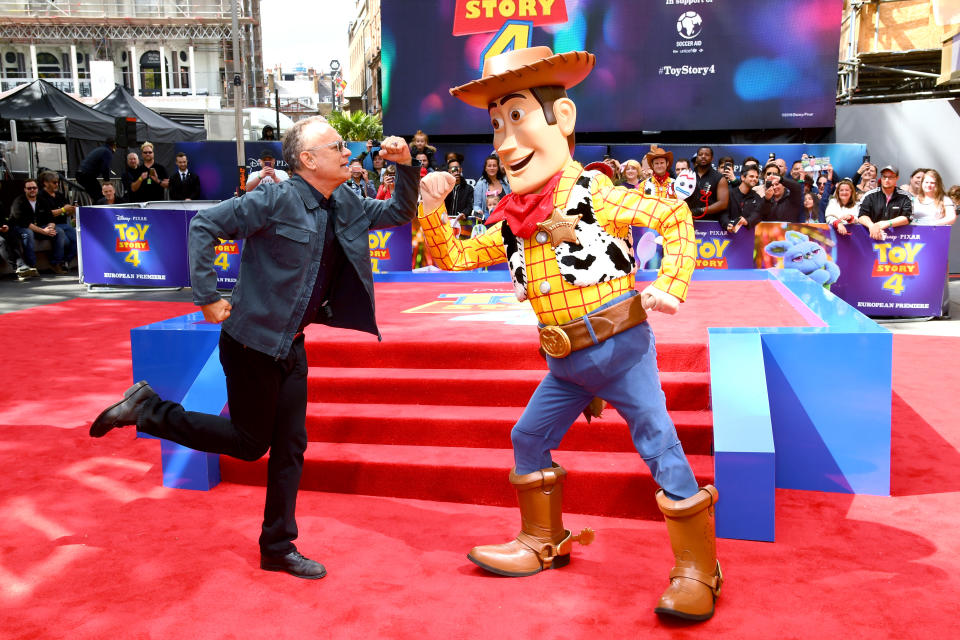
{"type": "Point", "coordinates": [803, 254]}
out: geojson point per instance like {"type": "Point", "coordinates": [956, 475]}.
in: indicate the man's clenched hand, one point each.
{"type": "Point", "coordinates": [434, 187]}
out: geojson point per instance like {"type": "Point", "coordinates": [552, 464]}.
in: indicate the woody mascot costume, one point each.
{"type": "Point", "coordinates": [565, 234]}
{"type": "Point", "coordinates": [660, 184]}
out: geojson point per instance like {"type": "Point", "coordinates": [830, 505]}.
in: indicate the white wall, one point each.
{"type": "Point", "coordinates": [909, 135]}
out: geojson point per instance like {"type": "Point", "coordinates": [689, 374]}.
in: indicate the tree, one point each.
{"type": "Point", "coordinates": [358, 126]}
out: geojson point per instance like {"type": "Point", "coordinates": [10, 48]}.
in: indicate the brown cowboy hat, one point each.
{"type": "Point", "coordinates": [522, 69]}
{"type": "Point", "coordinates": [656, 152]}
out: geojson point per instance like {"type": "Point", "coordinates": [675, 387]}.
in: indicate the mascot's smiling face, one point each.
{"type": "Point", "coordinates": [531, 150]}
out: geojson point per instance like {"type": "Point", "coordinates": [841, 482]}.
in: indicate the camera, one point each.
{"type": "Point", "coordinates": [375, 143]}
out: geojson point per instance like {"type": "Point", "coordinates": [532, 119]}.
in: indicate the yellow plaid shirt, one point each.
{"type": "Point", "coordinates": [616, 209]}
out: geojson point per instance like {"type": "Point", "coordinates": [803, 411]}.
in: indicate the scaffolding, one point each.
{"type": "Point", "coordinates": [868, 74]}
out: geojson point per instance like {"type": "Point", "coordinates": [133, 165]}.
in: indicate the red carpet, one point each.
{"type": "Point", "coordinates": [451, 352]}
{"type": "Point", "coordinates": [93, 547]}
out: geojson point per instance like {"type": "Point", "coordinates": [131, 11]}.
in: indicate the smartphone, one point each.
{"type": "Point", "coordinates": [607, 155]}
{"type": "Point", "coordinates": [866, 158]}
{"type": "Point", "coordinates": [773, 156]}
{"type": "Point", "coordinates": [767, 184]}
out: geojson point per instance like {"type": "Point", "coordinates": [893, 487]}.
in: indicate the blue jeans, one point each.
{"type": "Point", "coordinates": [26, 243]}
{"type": "Point", "coordinates": [623, 371]}
{"type": "Point", "coordinates": [69, 251]}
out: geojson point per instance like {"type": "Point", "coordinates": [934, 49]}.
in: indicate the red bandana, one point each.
{"type": "Point", "coordinates": [523, 212]}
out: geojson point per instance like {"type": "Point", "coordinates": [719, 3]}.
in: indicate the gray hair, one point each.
{"type": "Point", "coordinates": [293, 141]}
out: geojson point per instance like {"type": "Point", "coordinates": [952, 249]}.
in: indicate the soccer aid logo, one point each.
{"type": "Point", "coordinates": [685, 183]}
{"type": "Point", "coordinates": [689, 25]}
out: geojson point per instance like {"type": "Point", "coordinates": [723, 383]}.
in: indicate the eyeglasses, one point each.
{"type": "Point", "coordinates": [29, 188]}
{"type": "Point", "coordinates": [339, 144]}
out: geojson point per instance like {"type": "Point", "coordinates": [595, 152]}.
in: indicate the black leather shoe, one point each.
{"type": "Point", "coordinates": [123, 413]}
{"type": "Point", "coordinates": [294, 564]}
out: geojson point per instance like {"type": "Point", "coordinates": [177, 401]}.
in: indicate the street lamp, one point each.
{"type": "Point", "coordinates": [334, 74]}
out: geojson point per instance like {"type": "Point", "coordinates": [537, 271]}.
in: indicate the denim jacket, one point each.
{"type": "Point", "coordinates": [283, 228]}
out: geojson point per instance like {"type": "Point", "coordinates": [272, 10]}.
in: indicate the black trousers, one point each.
{"type": "Point", "coordinates": [268, 406]}
{"type": "Point", "coordinates": [91, 185]}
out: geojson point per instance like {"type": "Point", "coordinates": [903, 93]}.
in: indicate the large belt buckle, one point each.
{"type": "Point", "coordinates": [555, 341]}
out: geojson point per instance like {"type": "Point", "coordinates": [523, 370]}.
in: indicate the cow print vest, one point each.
{"type": "Point", "coordinates": [598, 257]}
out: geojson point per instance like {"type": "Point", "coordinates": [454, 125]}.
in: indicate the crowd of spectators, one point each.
{"type": "Point", "coordinates": [735, 196]}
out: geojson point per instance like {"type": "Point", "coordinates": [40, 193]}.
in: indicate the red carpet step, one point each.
{"type": "Point", "coordinates": [599, 483]}
{"type": "Point", "coordinates": [470, 387]}
{"type": "Point", "coordinates": [458, 353]}
{"type": "Point", "coordinates": [484, 427]}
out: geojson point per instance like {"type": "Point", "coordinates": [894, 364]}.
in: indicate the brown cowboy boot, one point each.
{"type": "Point", "coordinates": [696, 578]}
{"type": "Point", "coordinates": [542, 543]}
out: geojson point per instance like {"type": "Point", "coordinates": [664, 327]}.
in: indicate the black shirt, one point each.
{"type": "Point", "coordinates": [750, 206]}
{"type": "Point", "coordinates": [705, 194]}
{"type": "Point", "coordinates": [150, 189]}
{"type": "Point", "coordinates": [46, 204]}
{"type": "Point", "coordinates": [876, 206]}
{"type": "Point", "coordinates": [332, 260]}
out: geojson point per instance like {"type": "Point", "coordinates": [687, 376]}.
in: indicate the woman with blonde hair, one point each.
{"type": "Point", "coordinates": [933, 207]}
{"type": "Point", "coordinates": [632, 173]}
{"type": "Point", "coordinates": [843, 208]}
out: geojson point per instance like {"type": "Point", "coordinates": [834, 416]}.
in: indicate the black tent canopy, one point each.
{"type": "Point", "coordinates": [45, 114]}
{"type": "Point", "coordinates": [156, 128]}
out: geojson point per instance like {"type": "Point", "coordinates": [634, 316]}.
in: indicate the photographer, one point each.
{"type": "Point", "coordinates": [790, 205]}
{"type": "Point", "coordinates": [358, 181]}
{"type": "Point", "coordinates": [376, 162]}
{"type": "Point", "coordinates": [389, 183]}
{"type": "Point", "coordinates": [726, 167]}
{"type": "Point", "coordinates": [268, 172]}
{"type": "Point", "coordinates": [776, 194]}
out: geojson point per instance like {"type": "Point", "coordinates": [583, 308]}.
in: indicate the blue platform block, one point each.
{"type": "Point", "coordinates": [803, 407]}
{"type": "Point", "coordinates": [179, 357]}
{"type": "Point", "coordinates": [744, 463]}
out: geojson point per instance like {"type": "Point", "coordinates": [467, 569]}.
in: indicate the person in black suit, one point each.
{"type": "Point", "coordinates": [184, 184]}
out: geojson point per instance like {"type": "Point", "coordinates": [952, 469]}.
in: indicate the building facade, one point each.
{"type": "Point", "coordinates": [365, 79]}
{"type": "Point", "coordinates": [158, 48]}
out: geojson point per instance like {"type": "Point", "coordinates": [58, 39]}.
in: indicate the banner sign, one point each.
{"type": "Point", "coordinates": [662, 65]}
{"type": "Point", "coordinates": [716, 249]}
{"type": "Point", "coordinates": [900, 276]}
{"type": "Point", "coordinates": [391, 249]}
{"type": "Point", "coordinates": [227, 258]}
{"type": "Point", "coordinates": [903, 275]}
{"type": "Point", "coordinates": [139, 247]}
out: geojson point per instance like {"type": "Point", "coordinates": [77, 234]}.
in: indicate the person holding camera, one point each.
{"type": "Point", "coordinates": [726, 168]}
{"type": "Point", "coordinates": [358, 182]}
{"type": "Point", "coordinates": [268, 173]}
{"type": "Point", "coordinates": [388, 184]}
{"type": "Point", "coordinates": [150, 178]}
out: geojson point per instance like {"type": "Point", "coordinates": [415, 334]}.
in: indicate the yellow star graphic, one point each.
{"type": "Point", "coordinates": [560, 228]}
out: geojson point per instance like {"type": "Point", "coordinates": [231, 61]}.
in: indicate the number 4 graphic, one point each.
{"type": "Point", "coordinates": [514, 34]}
{"type": "Point", "coordinates": [895, 284]}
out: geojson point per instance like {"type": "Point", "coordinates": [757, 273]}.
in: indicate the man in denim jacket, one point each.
{"type": "Point", "coordinates": [306, 258]}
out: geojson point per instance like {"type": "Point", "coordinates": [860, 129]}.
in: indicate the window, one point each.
{"type": "Point", "coordinates": [47, 65]}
